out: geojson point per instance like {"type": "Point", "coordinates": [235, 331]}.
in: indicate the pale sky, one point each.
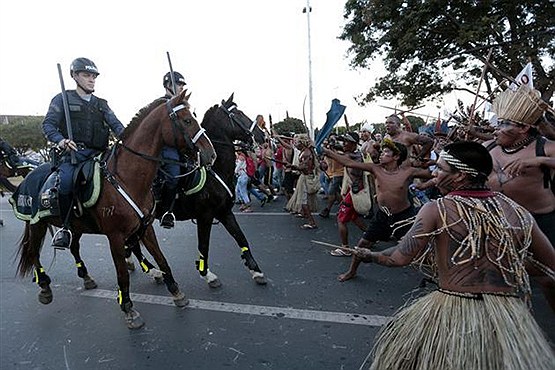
{"type": "Point", "coordinates": [256, 49]}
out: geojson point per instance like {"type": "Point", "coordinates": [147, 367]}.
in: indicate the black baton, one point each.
{"type": "Point", "coordinates": [66, 112]}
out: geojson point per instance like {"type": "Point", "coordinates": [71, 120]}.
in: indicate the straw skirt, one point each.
{"type": "Point", "coordinates": [448, 332]}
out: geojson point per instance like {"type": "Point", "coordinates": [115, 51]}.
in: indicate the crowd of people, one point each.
{"type": "Point", "coordinates": [476, 210]}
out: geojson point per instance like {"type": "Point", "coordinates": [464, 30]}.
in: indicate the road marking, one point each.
{"type": "Point", "coordinates": [280, 312]}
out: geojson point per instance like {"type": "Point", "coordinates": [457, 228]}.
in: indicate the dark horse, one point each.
{"type": "Point", "coordinates": [124, 208]}
{"type": "Point", "coordinates": [7, 171]}
{"type": "Point", "coordinates": [224, 124]}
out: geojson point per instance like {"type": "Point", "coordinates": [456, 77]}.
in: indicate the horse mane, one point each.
{"type": "Point", "coordinates": [208, 115]}
{"type": "Point", "coordinates": [140, 116]}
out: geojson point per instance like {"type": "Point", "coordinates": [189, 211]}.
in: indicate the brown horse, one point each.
{"type": "Point", "coordinates": [125, 205]}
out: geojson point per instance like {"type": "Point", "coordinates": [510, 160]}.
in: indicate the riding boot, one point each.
{"type": "Point", "coordinates": [167, 220]}
{"type": "Point", "coordinates": [62, 237]}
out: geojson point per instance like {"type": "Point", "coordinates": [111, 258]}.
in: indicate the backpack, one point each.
{"type": "Point", "coordinates": [251, 168]}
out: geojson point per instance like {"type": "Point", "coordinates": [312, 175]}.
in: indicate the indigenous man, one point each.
{"type": "Point", "coordinates": [395, 213]}
{"type": "Point", "coordinates": [475, 242]}
{"type": "Point", "coordinates": [303, 199]}
{"type": "Point", "coordinates": [353, 183]}
{"type": "Point", "coordinates": [409, 139]}
{"type": "Point", "coordinates": [520, 169]}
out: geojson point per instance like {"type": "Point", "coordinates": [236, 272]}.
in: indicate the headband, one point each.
{"type": "Point", "coordinates": [458, 164]}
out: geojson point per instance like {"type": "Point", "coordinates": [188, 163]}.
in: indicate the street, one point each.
{"type": "Point", "coordinates": [302, 319]}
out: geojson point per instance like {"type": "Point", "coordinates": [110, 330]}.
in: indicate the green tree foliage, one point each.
{"type": "Point", "coordinates": [24, 133]}
{"type": "Point", "coordinates": [290, 125]}
{"type": "Point", "coordinates": [420, 39]}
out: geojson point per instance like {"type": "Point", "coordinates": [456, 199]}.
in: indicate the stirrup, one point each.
{"type": "Point", "coordinates": [167, 221]}
{"type": "Point", "coordinates": [62, 239]}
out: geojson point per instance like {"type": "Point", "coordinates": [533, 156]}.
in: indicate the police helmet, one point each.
{"type": "Point", "coordinates": [83, 65]}
{"type": "Point", "coordinates": [178, 77]}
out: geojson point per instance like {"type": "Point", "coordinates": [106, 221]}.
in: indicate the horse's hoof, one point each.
{"type": "Point", "coordinates": [259, 278]}
{"type": "Point", "coordinates": [45, 296]}
{"type": "Point", "coordinates": [134, 320]}
{"type": "Point", "coordinates": [180, 300]}
{"type": "Point", "coordinates": [214, 283]}
{"type": "Point", "coordinates": [89, 283]}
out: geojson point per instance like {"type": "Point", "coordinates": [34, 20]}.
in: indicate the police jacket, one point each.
{"type": "Point", "coordinates": [91, 121]}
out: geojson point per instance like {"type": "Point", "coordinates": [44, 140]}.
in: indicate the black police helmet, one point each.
{"type": "Point", "coordinates": [178, 77]}
{"type": "Point", "coordinates": [83, 65]}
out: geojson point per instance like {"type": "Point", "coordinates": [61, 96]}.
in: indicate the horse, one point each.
{"type": "Point", "coordinates": [224, 124]}
{"type": "Point", "coordinates": [7, 171]}
{"type": "Point", "coordinates": [124, 208]}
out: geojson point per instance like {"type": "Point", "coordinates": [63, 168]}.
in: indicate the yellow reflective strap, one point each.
{"type": "Point", "coordinates": [144, 267]}
{"type": "Point", "coordinates": [244, 249]}
{"type": "Point", "coordinates": [36, 276]}
{"type": "Point", "coordinates": [79, 264]}
{"type": "Point", "coordinates": [120, 297]}
{"type": "Point", "coordinates": [41, 269]}
{"type": "Point", "coordinates": [201, 265]}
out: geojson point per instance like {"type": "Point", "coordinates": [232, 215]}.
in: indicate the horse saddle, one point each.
{"type": "Point", "coordinates": [38, 196]}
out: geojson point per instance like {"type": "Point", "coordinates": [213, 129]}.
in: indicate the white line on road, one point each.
{"type": "Point", "coordinates": [281, 312]}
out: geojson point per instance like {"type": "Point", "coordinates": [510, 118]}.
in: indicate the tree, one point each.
{"type": "Point", "coordinates": [419, 40]}
{"type": "Point", "coordinates": [290, 125]}
{"type": "Point", "coordinates": [24, 132]}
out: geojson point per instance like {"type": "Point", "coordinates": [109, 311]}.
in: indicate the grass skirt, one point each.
{"type": "Point", "coordinates": [301, 197]}
{"type": "Point", "coordinates": [443, 331]}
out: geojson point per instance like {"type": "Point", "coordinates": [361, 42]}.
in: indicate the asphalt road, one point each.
{"type": "Point", "coordinates": [302, 319]}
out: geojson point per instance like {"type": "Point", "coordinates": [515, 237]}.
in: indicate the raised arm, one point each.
{"type": "Point", "coordinates": [346, 161]}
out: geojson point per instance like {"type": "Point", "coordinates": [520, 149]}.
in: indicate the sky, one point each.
{"type": "Point", "coordinates": [256, 49]}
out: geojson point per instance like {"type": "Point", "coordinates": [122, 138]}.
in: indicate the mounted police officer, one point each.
{"type": "Point", "coordinates": [170, 171]}
{"type": "Point", "coordinates": [91, 121]}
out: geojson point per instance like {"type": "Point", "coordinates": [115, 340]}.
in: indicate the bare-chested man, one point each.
{"type": "Point", "coordinates": [410, 140]}
{"type": "Point", "coordinates": [475, 242]}
{"type": "Point", "coordinates": [395, 212]}
{"type": "Point", "coordinates": [518, 170]}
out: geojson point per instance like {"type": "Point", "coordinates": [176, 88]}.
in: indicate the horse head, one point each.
{"type": "Point", "coordinates": [241, 127]}
{"type": "Point", "coordinates": [185, 132]}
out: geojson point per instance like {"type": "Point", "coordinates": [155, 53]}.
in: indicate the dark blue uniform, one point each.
{"type": "Point", "coordinates": [91, 122]}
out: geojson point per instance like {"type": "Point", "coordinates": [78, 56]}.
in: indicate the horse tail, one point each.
{"type": "Point", "coordinates": [29, 247]}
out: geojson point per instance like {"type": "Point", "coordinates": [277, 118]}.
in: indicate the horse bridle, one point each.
{"type": "Point", "coordinates": [233, 118]}
{"type": "Point", "coordinates": [174, 116]}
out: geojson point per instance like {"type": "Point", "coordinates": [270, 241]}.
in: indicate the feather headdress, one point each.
{"type": "Point", "coordinates": [523, 105]}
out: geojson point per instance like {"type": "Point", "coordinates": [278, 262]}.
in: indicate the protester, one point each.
{"type": "Point", "coordinates": [336, 171]}
{"type": "Point", "coordinates": [523, 160]}
{"type": "Point", "coordinates": [241, 192]}
{"type": "Point", "coordinates": [411, 140]}
{"type": "Point", "coordinates": [304, 197]}
{"type": "Point", "coordinates": [354, 182]}
{"type": "Point", "coordinates": [475, 242]}
{"type": "Point", "coordinates": [395, 213]}
{"type": "Point", "coordinates": [91, 122]}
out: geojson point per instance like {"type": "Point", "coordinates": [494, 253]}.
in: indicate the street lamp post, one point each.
{"type": "Point", "coordinates": [307, 10]}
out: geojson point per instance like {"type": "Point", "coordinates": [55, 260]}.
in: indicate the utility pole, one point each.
{"type": "Point", "coordinates": [307, 10]}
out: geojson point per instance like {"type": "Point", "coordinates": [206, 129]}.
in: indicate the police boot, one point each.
{"type": "Point", "coordinates": [62, 237]}
{"type": "Point", "coordinates": [167, 220]}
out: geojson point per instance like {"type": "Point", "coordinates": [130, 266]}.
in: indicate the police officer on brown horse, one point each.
{"type": "Point", "coordinates": [91, 122]}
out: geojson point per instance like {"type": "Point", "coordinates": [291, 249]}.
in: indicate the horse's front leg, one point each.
{"type": "Point", "coordinates": [151, 244]}
{"type": "Point", "coordinates": [132, 317]}
{"type": "Point", "coordinates": [230, 223]}
{"type": "Point", "coordinates": [204, 229]}
{"type": "Point", "coordinates": [82, 271]}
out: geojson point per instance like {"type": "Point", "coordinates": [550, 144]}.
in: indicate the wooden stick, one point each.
{"type": "Point", "coordinates": [484, 70]}
{"type": "Point", "coordinates": [333, 246]}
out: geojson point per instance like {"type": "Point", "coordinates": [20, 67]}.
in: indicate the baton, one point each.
{"type": "Point", "coordinates": [333, 246]}
{"type": "Point", "coordinates": [174, 90]}
{"type": "Point", "coordinates": [66, 113]}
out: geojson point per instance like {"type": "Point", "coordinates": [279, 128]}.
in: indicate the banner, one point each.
{"type": "Point", "coordinates": [524, 77]}
{"type": "Point", "coordinates": [333, 116]}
